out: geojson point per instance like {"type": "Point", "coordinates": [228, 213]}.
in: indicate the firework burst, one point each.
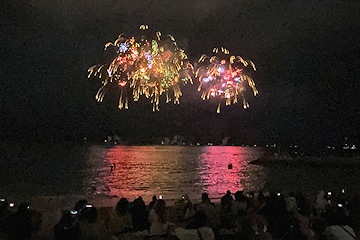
{"type": "Point", "coordinates": [148, 67]}
{"type": "Point", "coordinates": [224, 77]}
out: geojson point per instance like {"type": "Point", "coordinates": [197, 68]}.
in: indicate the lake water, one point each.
{"type": "Point", "coordinates": [170, 171]}
{"type": "Point", "coordinates": [173, 171]}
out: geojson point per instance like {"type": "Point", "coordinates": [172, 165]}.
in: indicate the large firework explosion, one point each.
{"type": "Point", "coordinates": [148, 67]}
{"type": "Point", "coordinates": [224, 76]}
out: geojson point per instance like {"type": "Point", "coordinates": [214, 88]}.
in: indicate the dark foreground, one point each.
{"type": "Point", "coordinates": [328, 215]}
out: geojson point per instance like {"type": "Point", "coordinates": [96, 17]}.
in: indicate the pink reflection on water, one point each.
{"type": "Point", "coordinates": [132, 175]}
{"type": "Point", "coordinates": [147, 171]}
{"type": "Point", "coordinates": [215, 174]}
{"type": "Point", "coordinates": [172, 171]}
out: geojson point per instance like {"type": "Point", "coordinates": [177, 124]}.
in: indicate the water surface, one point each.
{"type": "Point", "coordinates": [172, 171]}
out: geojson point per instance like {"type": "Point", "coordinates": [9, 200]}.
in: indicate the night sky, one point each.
{"type": "Point", "coordinates": [306, 53]}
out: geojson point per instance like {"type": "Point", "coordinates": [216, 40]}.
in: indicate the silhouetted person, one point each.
{"type": "Point", "coordinates": [208, 208]}
{"type": "Point", "coordinates": [157, 218]}
{"type": "Point", "coordinates": [89, 226]}
{"type": "Point", "coordinates": [227, 200]}
{"type": "Point", "coordinates": [205, 198]}
{"type": "Point", "coordinates": [4, 209]}
{"type": "Point", "coordinates": [139, 215]}
{"type": "Point", "coordinates": [18, 225]}
{"type": "Point", "coordinates": [153, 202]}
{"type": "Point", "coordinates": [120, 219]}
{"type": "Point", "coordinates": [67, 228]}
{"type": "Point", "coordinates": [89, 214]}
{"type": "Point", "coordinates": [79, 205]}
{"type": "Point", "coordinates": [226, 216]}
{"type": "Point", "coordinates": [240, 203]}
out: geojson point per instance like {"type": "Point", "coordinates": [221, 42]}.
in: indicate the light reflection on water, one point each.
{"type": "Point", "coordinates": [41, 170]}
{"type": "Point", "coordinates": [172, 171]}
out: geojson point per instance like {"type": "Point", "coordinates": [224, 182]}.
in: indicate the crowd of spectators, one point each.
{"type": "Point", "coordinates": [252, 216]}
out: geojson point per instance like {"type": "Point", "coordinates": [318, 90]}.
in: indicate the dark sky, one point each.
{"type": "Point", "coordinates": [306, 52]}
